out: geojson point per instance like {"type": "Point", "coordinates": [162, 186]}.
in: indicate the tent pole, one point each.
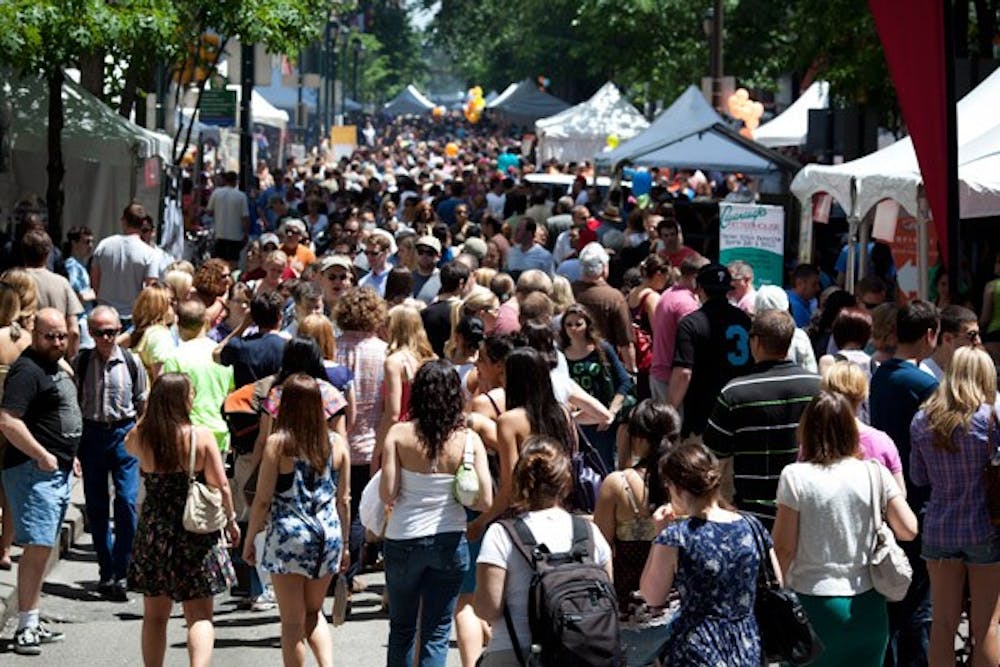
{"type": "Point", "coordinates": [853, 222]}
{"type": "Point", "coordinates": [806, 233]}
{"type": "Point", "coordinates": [864, 235]}
{"type": "Point", "coordinates": [923, 245]}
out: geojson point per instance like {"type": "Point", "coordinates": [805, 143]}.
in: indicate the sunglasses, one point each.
{"type": "Point", "coordinates": [426, 252]}
{"type": "Point", "coordinates": [55, 335]}
{"type": "Point", "coordinates": [336, 276]}
{"type": "Point", "coordinates": [373, 253]}
{"type": "Point", "coordinates": [973, 335]}
{"type": "Point", "coordinates": [292, 232]}
{"type": "Point", "coordinates": [107, 333]}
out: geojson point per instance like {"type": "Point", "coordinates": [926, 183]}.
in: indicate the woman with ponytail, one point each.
{"type": "Point", "coordinates": [542, 478]}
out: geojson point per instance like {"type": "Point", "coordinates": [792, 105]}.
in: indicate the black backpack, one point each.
{"type": "Point", "coordinates": [572, 607]}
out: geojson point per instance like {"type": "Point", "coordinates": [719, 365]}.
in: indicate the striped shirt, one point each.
{"type": "Point", "coordinates": [107, 394]}
{"type": "Point", "coordinates": [364, 354]}
{"type": "Point", "coordinates": [755, 420]}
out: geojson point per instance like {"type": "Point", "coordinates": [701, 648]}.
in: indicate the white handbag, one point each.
{"type": "Point", "coordinates": [466, 489]}
{"type": "Point", "coordinates": [889, 567]}
{"type": "Point", "coordinates": [203, 510]}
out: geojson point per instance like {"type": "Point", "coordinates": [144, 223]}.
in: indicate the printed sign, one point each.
{"type": "Point", "coordinates": [218, 107]}
{"type": "Point", "coordinates": [756, 235]}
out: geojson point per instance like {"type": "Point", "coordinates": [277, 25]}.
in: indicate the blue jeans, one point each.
{"type": "Point", "coordinates": [423, 577]}
{"type": "Point", "coordinates": [910, 618]}
{"type": "Point", "coordinates": [102, 452]}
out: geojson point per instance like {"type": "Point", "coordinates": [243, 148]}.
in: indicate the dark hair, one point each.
{"type": "Point", "coordinates": [503, 286]}
{"type": "Point", "coordinates": [915, 319]}
{"type": "Point", "coordinates": [774, 330]}
{"type": "Point", "coordinates": [660, 426]}
{"type": "Point", "coordinates": [191, 315]}
{"type": "Point", "coordinates": [542, 475]}
{"type": "Point", "coordinates": [593, 336]}
{"type": "Point", "coordinates": [497, 347]}
{"type": "Point", "coordinates": [305, 292]}
{"type": "Point", "coordinates": [804, 272]}
{"type": "Point", "coordinates": [301, 421]}
{"type": "Point", "coordinates": [528, 385]}
{"type": "Point", "coordinates": [540, 337]}
{"type": "Point", "coordinates": [853, 325]}
{"type": "Point", "coordinates": [266, 309]}
{"type": "Point", "coordinates": [953, 317]}
{"type": "Point", "coordinates": [828, 430]}
{"type": "Point", "coordinates": [692, 467]}
{"type": "Point", "coordinates": [398, 284]}
{"type": "Point", "coordinates": [870, 285]}
{"type": "Point", "coordinates": [652, 265]}
{"type": "Point", "coordinates": [167, 412]}
{"type": "Point", "coordinates": [472, 331]}
{"type": "Point", "coordinates": [835, 303]}
{"type": "Point", "coordinates": [536, 307]}
{"type": "Point", "coordinates": [452, 275]}
{"type": "Point", "coordinates": [436, 404]}
{"type": "Point", "coordinates": [35, 247]}
{"type": "Point", "coordinates": [301, 355]}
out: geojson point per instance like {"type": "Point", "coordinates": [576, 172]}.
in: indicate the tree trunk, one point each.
{"type": "Point", "coordinates": [92, 73]}
{"type": "Point", "coordinates": [56, 169]}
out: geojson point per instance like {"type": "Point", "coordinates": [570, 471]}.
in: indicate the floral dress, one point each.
{"type": "Point", "coordinates": [166, 558]}
{"type": "Point", "coordinates": [304, 533]}
{"type": "Point", "coordinates": [717, 581]}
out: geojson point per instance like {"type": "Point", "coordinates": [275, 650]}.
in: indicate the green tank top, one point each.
{"type": "Point", "coordinates": [994, 324]}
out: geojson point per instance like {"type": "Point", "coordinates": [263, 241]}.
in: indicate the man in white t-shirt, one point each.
{"type": "Point", "coordinates": [231, 211]}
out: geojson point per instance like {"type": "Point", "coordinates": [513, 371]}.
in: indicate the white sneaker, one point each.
{"type": "Point", "coordinates": [265, 601]}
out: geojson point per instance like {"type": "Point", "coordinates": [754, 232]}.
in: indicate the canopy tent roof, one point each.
{"type": "Point", "coordinates": [525, 103]}
{"type": "Point", "coordinates": [689, 133]}
{"type": "Point", "coordinates": [581, 131]}
{"type": "Point", "coordinates": [287, 97]}
{"type": "Point", "coordinates": [92, 131]}
{"type": "Point", "coordinates": [409, 102]}
{"type": "Point", "coordinates": [791, 127]}
{"type": "Point", "coordinates": [893, 172]}
{"type": "Point", "coordinates": [262, 111]}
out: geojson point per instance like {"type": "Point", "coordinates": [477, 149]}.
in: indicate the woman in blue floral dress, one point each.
{"type": "Point", "coordinates": [712, 559]}
{"type": "Point", "coordinates": [302, 494]}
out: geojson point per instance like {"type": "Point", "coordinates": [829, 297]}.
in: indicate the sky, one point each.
{"type": "Point", "coordinates": [421, 17]}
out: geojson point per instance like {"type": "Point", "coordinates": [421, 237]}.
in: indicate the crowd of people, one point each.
{"type": "Point", "coordinates": [402, 320]}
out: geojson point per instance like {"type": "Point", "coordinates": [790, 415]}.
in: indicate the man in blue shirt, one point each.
{"type": "Point", "coordinates": [898, 388]}
{"type": "Point", "coordinates": [803, 292]}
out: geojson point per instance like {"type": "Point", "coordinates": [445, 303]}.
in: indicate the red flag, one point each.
{"type": "Point", "coordinates": [914, 41]}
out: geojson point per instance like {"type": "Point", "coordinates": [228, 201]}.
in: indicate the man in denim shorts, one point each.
{"type": "Point", "coordinates": [40, 417]}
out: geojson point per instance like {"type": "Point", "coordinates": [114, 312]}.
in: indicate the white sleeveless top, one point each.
{"type": "Point", "coordinates": [425, 506]}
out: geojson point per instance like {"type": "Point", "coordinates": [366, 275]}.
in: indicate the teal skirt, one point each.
{"type": "Point", "coordinates": [854, 630]}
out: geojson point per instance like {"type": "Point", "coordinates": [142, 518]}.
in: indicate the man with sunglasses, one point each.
{"type": "Point", "coordinates": [41, 419]}
{"type": "Point", "coordinates": [427, 278]}
{"type": "Point", "coordinates": [378, 247]}
{"type": "Point", "coordinates": [111, 384]}
{"type": "Point", "coordinates": [959, 328]}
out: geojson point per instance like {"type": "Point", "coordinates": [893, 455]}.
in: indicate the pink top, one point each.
{"type": "Point", "coordinates": [878, 446]}
{"type": "Point", "coordinates": [674, 304]}
{"type": "Point", "coordinates": [508, 318]}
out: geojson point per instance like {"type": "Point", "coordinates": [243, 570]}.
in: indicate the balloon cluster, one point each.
{"type": "Point", "coordinates": [543, 82]}
{"type": "Point", "coordinates": [474, 104]}
{"type": "Point", "coordinates": [741, 107]}
{"type": "Point", "coordinates": [451, 149]}
{"type": "Point", "coordinates": [612, 142]}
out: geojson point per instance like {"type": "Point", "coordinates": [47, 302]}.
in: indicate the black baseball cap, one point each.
{"type": "Point", "coordinates": [715, 278]}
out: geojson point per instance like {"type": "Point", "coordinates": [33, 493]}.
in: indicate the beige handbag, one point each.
{"type": "Point", "coordinates": [203, 510]}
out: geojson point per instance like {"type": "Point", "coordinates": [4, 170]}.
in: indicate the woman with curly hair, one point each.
{"type": "Point", "coordinates": [360, 314]}
{"type": "Point", "coordinates": [408, 350]}
{"type": "Point", "coordinates": [151, 339]}
{"type": "Point", "coordinates": [211, 285]}
{"type": "Point", "coordinates": [426, 553]}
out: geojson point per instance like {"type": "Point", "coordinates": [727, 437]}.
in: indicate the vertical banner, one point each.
{"type": "Point", "coordinates": [905, 248]}
{"type": "Point", "coordinates": [756, 235]}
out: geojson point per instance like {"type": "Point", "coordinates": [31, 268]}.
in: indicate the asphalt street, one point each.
{"type": "Point", "coordinates": [105, 633]}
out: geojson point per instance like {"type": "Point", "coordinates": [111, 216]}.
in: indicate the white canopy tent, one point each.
{"type": "Point", "coordinates": [791, 127]}
{"type": "Point", "coordinates": [104, 155]}
{"type": "Point", "coordinates": [578, 133]}
{"type": "Point", "coordinates": [409, 102]}
{"type": "Point", "coordinates": [894, 173]}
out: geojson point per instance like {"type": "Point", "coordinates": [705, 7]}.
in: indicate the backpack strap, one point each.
{"type": "Point", "coordinates": [82, 366]}
{"type": "Point", "coordinates": [583, 548]}
{"type": "Point", "coordinates": [522, 539]}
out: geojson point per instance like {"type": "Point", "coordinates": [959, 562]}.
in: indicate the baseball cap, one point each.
{"type": "Point", "coordinates": [475, 247]}
{"type": "Point", "coordinates": [294, 223]}
{"type": "Point", "coordinates": [714, 278]}
{"type": "Point", "coordinates": [430, 242]}
{"type": "Point", "coordinates": [331, 261]}
{"type": "Point", "coordinates": [269, 238]}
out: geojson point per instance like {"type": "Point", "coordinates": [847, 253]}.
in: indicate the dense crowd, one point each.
{"type": "Point", "coordinates": [414, 358]}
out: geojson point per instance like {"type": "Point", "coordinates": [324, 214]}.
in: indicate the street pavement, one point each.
{"type": "Point", "coordinates": [108, 633]}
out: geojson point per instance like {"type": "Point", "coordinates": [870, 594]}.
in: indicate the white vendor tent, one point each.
{"type": "Point", "coordinates": [104, 155]}
{"type": "Point", "coordinates": [409, 102]}
{"type": "Point", "coordinates": [690, 134]}
{"type": "Point", "coordinates": [578, 133]}
{"type": "Point", "coordinates": [791, 127]}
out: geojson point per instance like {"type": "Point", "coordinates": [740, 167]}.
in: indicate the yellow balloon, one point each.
{"type": "Point", "coordinates": [742, 94]}
{"type": "Point", "coordinates": [613, 141]}
{"type": "Point", "coordinates": [451, 149]}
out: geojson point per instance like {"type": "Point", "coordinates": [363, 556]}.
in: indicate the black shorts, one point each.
{"type": "Point", "coordinates": [227, 250]}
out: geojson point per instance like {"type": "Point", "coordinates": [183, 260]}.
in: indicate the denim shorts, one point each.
{"type": "Point", "coordinates": [985, 553]}
{"type": "Point", "coordinates": [38, 501]}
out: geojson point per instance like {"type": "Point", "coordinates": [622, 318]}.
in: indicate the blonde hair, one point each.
{"type": "Point", "coordinates": [151, 307]}
{"type": "Point", "coordinates": [479, 299]}
{"type": "Point", "coordinates": [181, 265]}
{"type": "Point", "coordinates": [406, 332]}
{"type": "Point", "coordinates": [318, 328]}
{"type": "Point", "coordinates": [27, 290]}
{"type": "Point", "coordinates": [180, 282]}
{"type": "Point", "coordinates": [484, 275]}
{"type": "Point", "coordinates": [276, 256]}
{"type": "Point", "coordinates": [970, 381]}
{"type": "Point", "coordinates": [562, 294]}
{"type": "Point", "coordinates": [846, 379]}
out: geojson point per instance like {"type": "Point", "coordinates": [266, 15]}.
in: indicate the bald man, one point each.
{"type": "Point", "coordinates": [40, 417]}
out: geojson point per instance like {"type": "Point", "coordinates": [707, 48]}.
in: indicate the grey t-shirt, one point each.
{"type": "Point", "coordinates": [125, 263]}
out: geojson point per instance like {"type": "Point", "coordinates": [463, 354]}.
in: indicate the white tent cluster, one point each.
{"type": "Point", "coordinates": [580, 132]}
{"type": "Point", "coordinates": [791, 127]}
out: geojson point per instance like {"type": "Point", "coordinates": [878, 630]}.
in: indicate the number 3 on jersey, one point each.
{"type": "Point", "coordinates": [740, 339]}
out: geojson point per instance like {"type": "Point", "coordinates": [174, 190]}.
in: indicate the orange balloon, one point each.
{"type": "Point", "coordinates": [451, 149]}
